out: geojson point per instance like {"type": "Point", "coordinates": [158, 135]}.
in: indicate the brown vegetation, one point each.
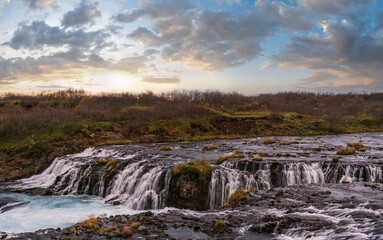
{"type": "Point", "coordinates": [36, 128]}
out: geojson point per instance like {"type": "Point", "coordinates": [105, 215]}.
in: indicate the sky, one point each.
{"type": "Point", "coordinates": [251, 47]}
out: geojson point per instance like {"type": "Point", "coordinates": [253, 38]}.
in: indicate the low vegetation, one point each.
{"type": "Point", "coordinates": [219, 224]}
{"type": "Point", "coordinates": [166, 148]}
{"type": "Point", "coordinates": [34, 129]}
{"type": "Point", "coordinates": [201, 168]}
{"type": "Point", "coordinates": [355, 145]}
{"type": "Point", "coordinates": [209, 147]}
{"type": "Point", "coordinates": [269, 140]}
{"type": "Point", "coordinates": [236, 198]}
{"type": "Point", "coordinates": [236, 154]}
{"type": "Point", "coordinates": [346, 151]}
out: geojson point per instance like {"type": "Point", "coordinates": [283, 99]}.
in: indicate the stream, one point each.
{"type": "Point", "coordinates": [288, 203]}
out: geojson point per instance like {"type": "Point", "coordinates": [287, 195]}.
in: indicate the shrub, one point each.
{"type": "Point", "coordinates": [166, 148]}
{"type": "Point", "coordinates": [269, 140]}
{"type": "Point", "coordinates": [346, 151]}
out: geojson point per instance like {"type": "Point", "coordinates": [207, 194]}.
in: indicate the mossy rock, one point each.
{"type": "Point", "coordinates": [189, 185]}
{"type": "Point", "coordinates": [236, 198]}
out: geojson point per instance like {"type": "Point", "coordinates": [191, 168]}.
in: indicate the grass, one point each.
{"type": "Point", "coordinates": [102, 161]}
{"type": "Point", "coordinates": [355, 145]}
{"type": "Point", "coordinates": [209, 147]}
{"type": "Point", "coordinates": [346, 151]}
{"type": "Point", "coordinates": [59, 123]}
{"type": "Point", "coordinates": [90, 223]}
{"type": "Point", "coordinates": [166, 148]}
{"type": "Point", "coordinates": [236, 154]}
{"type": "Point", "coordinates": [269, 140]}
{"type": "Point", "coordinates": [236, 198]}
{"type": "Point", "coordinates": [111, 163]}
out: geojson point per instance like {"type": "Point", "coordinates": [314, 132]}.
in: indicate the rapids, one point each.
{"type": "Point", "coordinates": [139, 180]}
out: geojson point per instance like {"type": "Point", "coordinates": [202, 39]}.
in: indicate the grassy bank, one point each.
{"type": "Point", "coordinates": [36, 129]}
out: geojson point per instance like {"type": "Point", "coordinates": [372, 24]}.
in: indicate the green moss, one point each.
{"type": "Point", "coordinates": [201, 168]}
{"type": "Point", "coordinates": [111, 162]}
{"type": "Point", "coordinates": [102, 161]}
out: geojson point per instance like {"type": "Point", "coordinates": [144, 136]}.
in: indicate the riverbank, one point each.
{"type": "Point", "coordinates": [34, 130]}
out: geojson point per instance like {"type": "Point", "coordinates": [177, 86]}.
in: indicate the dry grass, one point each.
{"type": "Point", "coordinates": [209, 147]}
{"type": "Point", "coordinates": [346, 151]}
{"type": "Point", "coordinates": [166, 148]}
{"type": "Point", "coordinates": [355, 145]}
{"type": "Point", "coordinates": [236, 154]}
{"type": "Point", "coordinates": [269, 140]}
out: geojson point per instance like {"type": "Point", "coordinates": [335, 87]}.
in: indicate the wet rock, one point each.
{"type": "Point", "coordinates": [189, 185]}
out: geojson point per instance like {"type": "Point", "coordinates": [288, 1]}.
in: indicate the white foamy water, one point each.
{"type": "Point", "coordinates": [40, 212]}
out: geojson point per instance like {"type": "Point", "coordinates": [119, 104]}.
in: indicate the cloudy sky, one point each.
{"type": "Point", "coordinates": [161, 45]}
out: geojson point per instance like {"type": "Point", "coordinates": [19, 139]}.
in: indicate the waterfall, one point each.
{"type": "Point", "coordinates": [138, 187]}
{"type": "Point", "coordinates": [143, 182]}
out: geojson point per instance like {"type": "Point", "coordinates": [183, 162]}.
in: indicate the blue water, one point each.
{"type": "Point", "coordinates": [31, 213]}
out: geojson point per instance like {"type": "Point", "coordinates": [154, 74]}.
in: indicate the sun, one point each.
{"type": "Point", "coordinates": [115, 82]}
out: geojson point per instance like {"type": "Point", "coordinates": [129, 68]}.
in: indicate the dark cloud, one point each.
{"type": "Point", "coordinates": [154, 9]}
{"type": "Point", "coordinates": [161, 80]}
{"type": "Point", "coordinates": [83, 14]}
{"type": "Point", "coordinates": [39, 4]}
{"type": "Point", "coordinates": [38, 34]}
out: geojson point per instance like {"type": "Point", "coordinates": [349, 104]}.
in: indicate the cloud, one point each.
{"type": "Point", "coordinates": [161, 80]}
{"type": "Point", "coordinates": [154, 9]}
{"type": "Point", "coordinates": [38, 35]}
{"type": "Point", "coordinates": [208, 40]}
{"type": "Point", "coordinates": [344, 56]}
{"type": "Point", "coordinates": [83, 14]}
{"type": "Point", "coordinates": [289, 16]}
{"type": "Point", "coordinates": [39, 4]}
{"type": "Point", "coordinates": [347, 8]}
